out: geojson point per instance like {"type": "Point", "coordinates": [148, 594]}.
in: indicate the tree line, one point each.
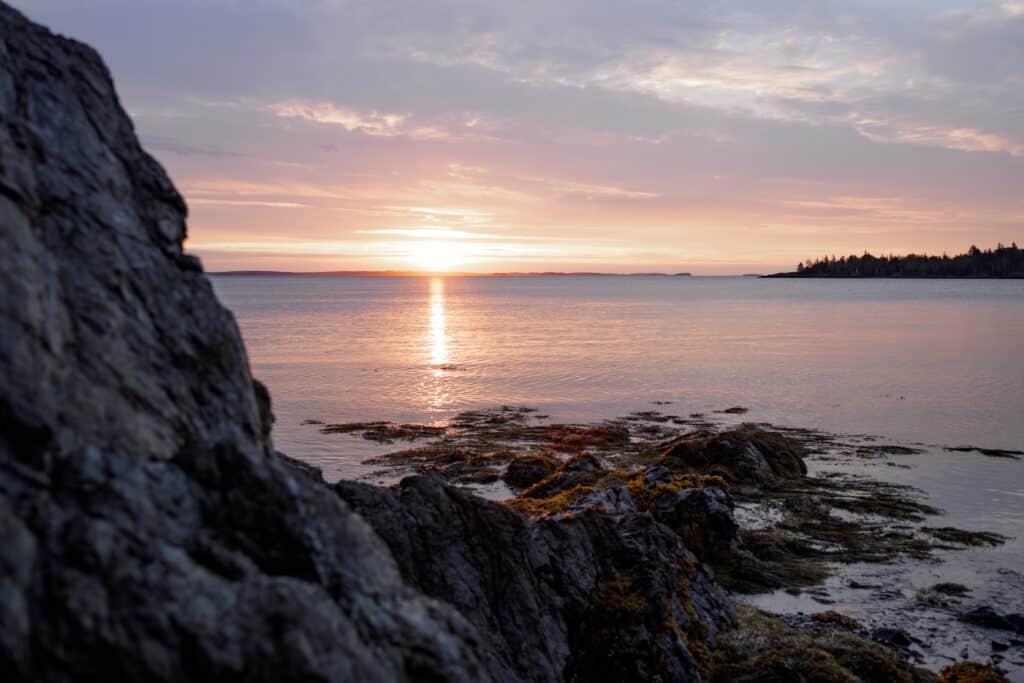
{"type": "Point", "coordinates": [1002, 261]}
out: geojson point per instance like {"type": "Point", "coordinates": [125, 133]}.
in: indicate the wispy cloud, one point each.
{"type": "Point", "coordinates": [560, 186]}
{"type": "Point", "coordinates": [374, 123]}
{"type": "Point", "coordinates": [201, 201]}
{"type": "Point", "coordinates": [963, 139]}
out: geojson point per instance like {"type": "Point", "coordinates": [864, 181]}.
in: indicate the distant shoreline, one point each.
{"type": "Point", "coordinates": [412, 273]}
{"type": "Point", "coordinates": [1003, 262]}
{"type": "Point", "coordinates": [815, 276]}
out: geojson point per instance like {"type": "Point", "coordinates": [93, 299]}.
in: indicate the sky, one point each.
{"type": "Point", "coordinates": [712, 137]}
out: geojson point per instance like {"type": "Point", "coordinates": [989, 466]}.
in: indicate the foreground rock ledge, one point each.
{"type": "Point", "coordinates": [148, 530]}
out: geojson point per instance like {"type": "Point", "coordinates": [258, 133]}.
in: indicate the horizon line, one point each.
{"type": "Point", "coordinates": [428, 273]}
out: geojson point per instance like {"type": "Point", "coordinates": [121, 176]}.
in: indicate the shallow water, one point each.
{"type": "Point", "coordinates": [938, 361]}
{"type": "Point", "coordinates": [976, 493]}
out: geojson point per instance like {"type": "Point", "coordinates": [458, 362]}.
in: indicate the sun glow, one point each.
{"type": "Point", "coordinates": [437, 256]}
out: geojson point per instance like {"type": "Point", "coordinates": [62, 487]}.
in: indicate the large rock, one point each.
{"type": "Point", "coordinates": [527, 470]}
{"type": "Point", "coordinates": [147, 529]}
{"type": "Point", "coordinates": [703, 519]}
{"type": "Point", "coordinates": [587, 597]}
{"type": "Point", "coordinates": [745, 456]}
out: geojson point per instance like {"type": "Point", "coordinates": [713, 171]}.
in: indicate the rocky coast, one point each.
{"type": "Point", "coordinates": [151, 531]}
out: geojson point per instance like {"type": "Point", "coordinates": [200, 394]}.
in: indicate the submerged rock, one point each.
{"type": "Point", "coordinates": [990, 618]}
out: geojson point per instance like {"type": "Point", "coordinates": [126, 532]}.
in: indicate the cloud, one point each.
{"type": "Point", "coordinates": [200, 201]}
{"type": "Point", "coordinates": [963, 139]}
{"type": "Point", "coordinates": [372, 123]}
{"type": "Point", "coordinates": [571, 187]}
{"type": "Point", "coordinates": [682, 129]}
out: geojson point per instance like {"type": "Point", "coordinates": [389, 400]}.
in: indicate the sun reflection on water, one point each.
{"type": "Point", "coordinates": [438, 338]}
{"type": "Point", "coordinates": [436, 394]}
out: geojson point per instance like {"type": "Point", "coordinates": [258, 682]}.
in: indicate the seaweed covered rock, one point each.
{"type": "Point", "coordinates": [148, 531]}
{"type": "Point", "coordinates": [703, 518]}
{"type": "Point", "coordinates": [586, 597]}
{"type": "Point", "coordinates": [527, 470]}
{"type": "Point", "coordinates": [746, 456]}
{"type": "Point", "coordinates": [971, 672]}
{"type": "Point", "coordinates": [698, 508]}
{"type": "Point", "coordinates": [564, 487]}
{"type": "Point", "coordinates": [767, 650]}
{"type": "Point", "coordinates": [989, 618]}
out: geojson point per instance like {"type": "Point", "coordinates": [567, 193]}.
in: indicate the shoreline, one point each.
{"type": "Point", "coordinates": [850, 523]}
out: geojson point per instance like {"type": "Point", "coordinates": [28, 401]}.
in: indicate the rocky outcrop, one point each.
{"type": "Point", "coordinates": [590, 596]}
{"type": "Point", "coordinates": [527, 470]}
{"type": "Point", "coordinates": [744, 456]}
{"type": "Point", "coordinates": [148, 530]}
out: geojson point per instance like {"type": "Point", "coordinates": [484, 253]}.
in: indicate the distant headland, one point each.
{"type": "Point", "coordinates": [421, 273]}
{"type": "Point", "coordinates": [1001, 262]}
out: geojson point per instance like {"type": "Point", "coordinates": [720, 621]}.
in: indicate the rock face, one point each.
{"type": "Point", "coordinates": [592, 596]}
{"type": "Point", "coordinates": [148, 530]}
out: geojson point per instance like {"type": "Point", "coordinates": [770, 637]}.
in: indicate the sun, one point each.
{"type": "Point", "coordinates": [436, 256]}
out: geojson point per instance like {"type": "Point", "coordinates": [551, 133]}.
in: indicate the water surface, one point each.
{"type": "Point", "coordinates": [935, 361]}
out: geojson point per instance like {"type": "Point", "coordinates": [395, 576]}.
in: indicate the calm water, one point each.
{"type": "Point", "coordinates": [935, 361]}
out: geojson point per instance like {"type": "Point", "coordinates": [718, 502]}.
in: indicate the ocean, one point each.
{"type": "Point", "coordinates": [931, 361]}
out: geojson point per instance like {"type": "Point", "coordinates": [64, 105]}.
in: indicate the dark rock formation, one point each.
{"type": "Point", "coordinates": [703, 519]}
{"type": "Point", "coordinates": [148, 530]}
{"type": "Point", "coordinates": [745, 456]}
{"type": "Point", "coordinates": [990, 618]}
{"type": "Point", "coordinates": [525, 471]}
{"type": "Point", "coordinates": [587, 597]}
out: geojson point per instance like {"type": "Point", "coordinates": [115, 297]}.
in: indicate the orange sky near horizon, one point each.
{"type": "Point", "coordinates": [714, 138]}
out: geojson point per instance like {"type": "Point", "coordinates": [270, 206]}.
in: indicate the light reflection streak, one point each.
{"type": "Point", "coordinates": [436, 395]}
{"type": "Point", "coordinates": [438, 339]}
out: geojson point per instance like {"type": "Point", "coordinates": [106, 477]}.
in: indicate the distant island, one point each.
{"type": "Point", "coordinates": [1001, 262]}
{"type": "Point", "coordinates": [420, 273]}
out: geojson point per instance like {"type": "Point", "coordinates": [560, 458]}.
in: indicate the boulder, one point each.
{"type": "Point", "coordinates": [527, 470]}
{"type": "Point", "coordinates": [703, 519]}
{"type": "Point", "coordinates": [745, 456]}
{"type": "Point", "coordinates": [613, 500]}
